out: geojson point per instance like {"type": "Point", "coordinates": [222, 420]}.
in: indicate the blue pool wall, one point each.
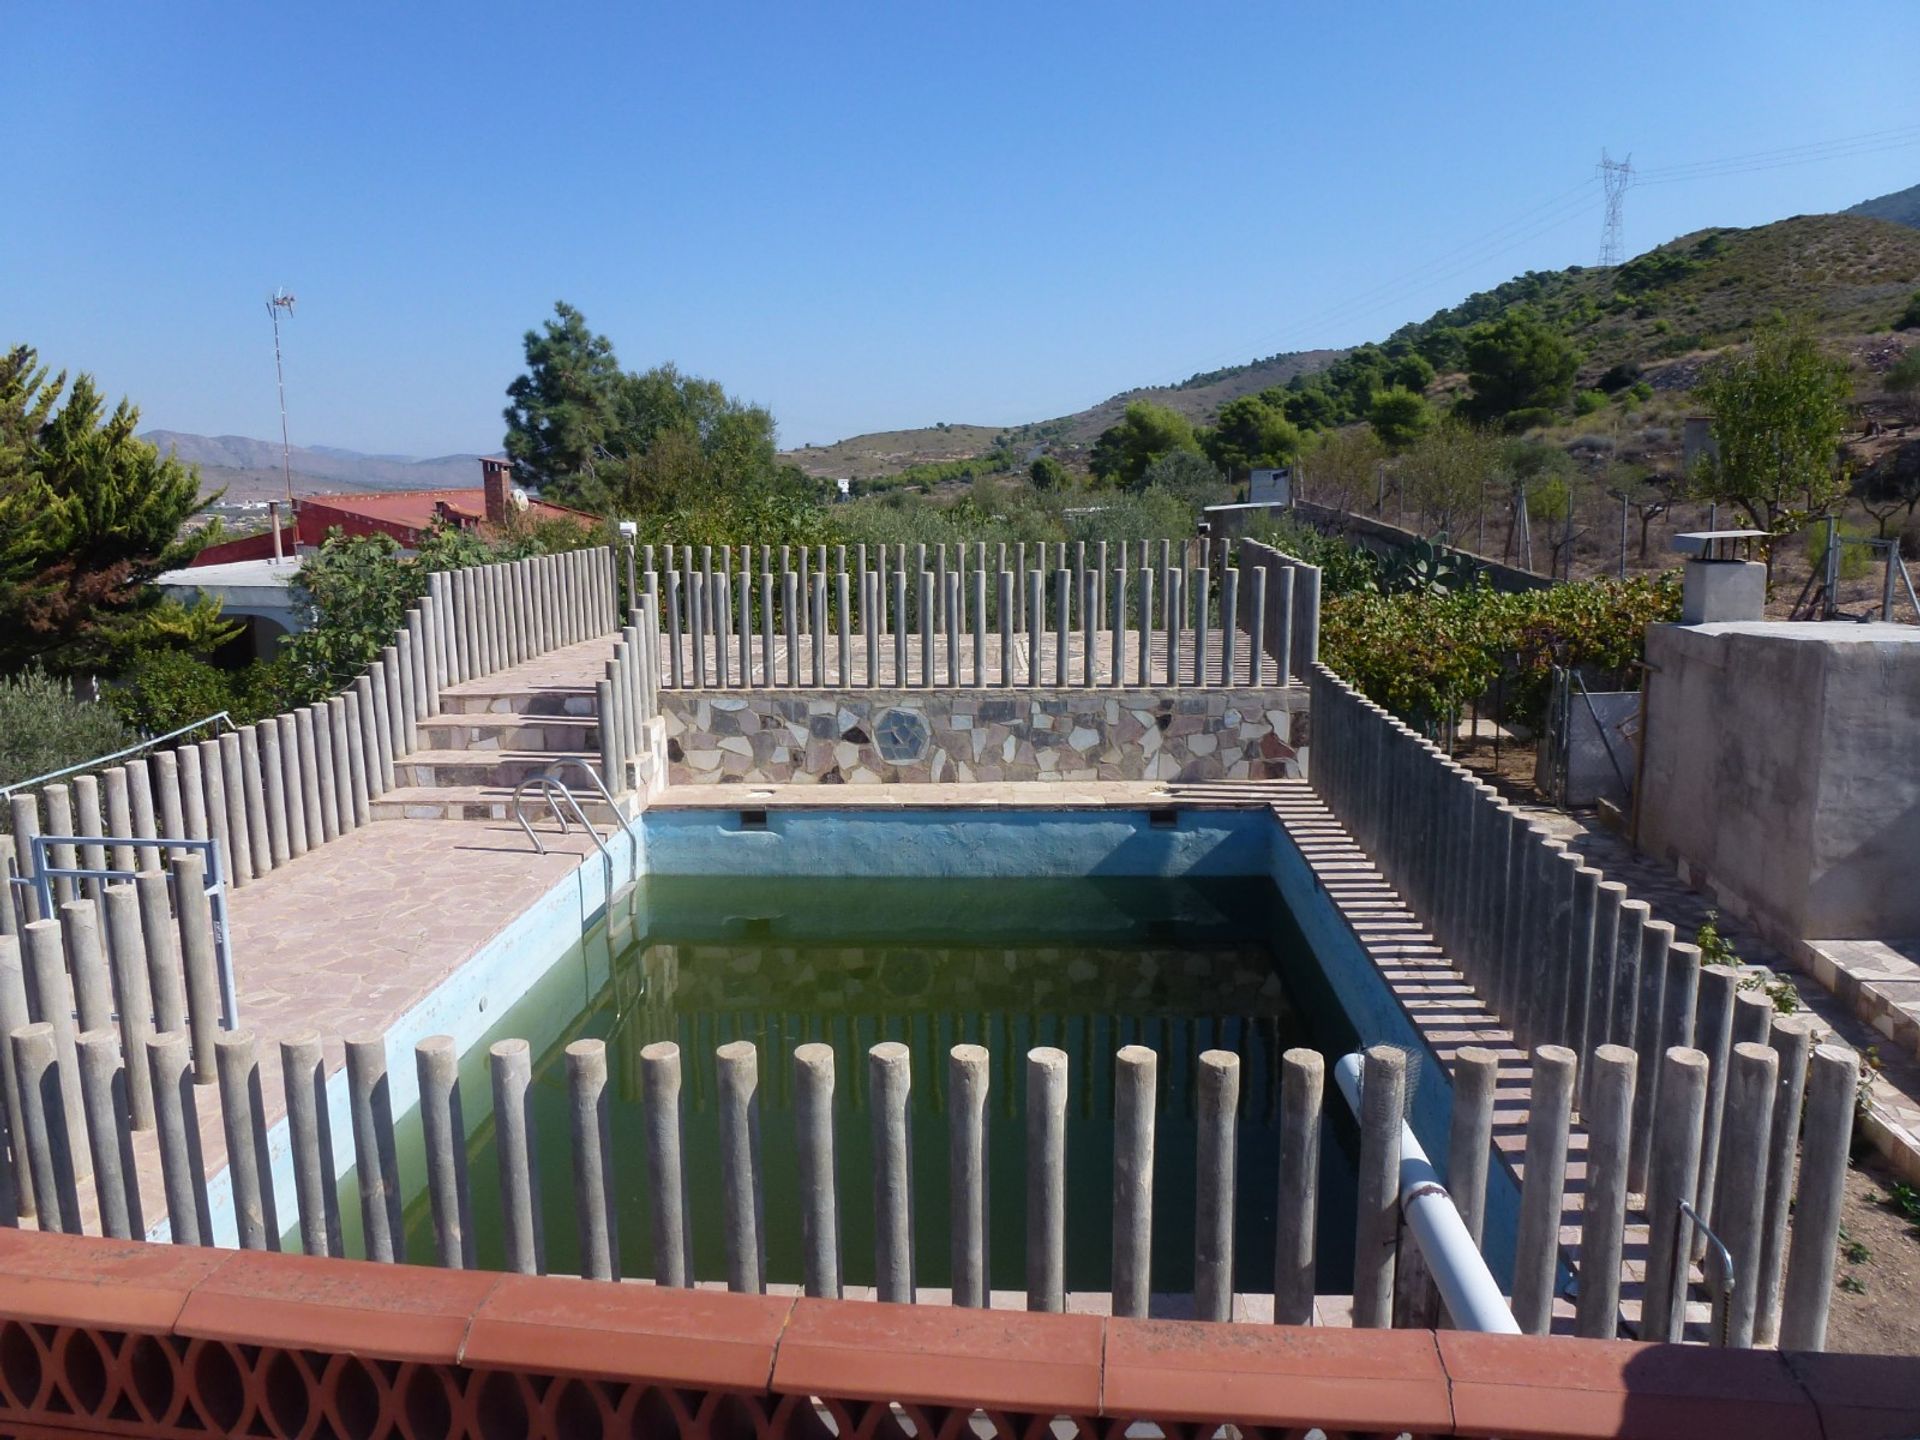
{"type": "Point", "coordinates": [967, 843]}
{"type": "Point", "coordinates": [963, 843]}
{"type": "Point", "coordinates": [1379, 1018]}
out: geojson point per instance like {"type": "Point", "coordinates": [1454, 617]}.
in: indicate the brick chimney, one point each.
{"type": "Point", "coordinates": [496, 479]}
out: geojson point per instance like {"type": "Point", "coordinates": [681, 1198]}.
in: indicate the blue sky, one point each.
{"type": "Point", "coordinates": [864, 217]}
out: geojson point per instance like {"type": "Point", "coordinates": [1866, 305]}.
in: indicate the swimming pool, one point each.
{"type": "Point", "coordinates": [1086, 928]}
{"type": "Point", "coordinates": [1087, 965]}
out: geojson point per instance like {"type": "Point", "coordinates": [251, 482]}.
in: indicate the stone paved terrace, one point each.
{"type": "Point", "coordinates": [348, 939]}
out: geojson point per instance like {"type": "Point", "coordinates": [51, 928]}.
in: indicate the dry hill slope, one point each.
{"type": "Point", "coordinates": [889, 451]}
{"type": "Point", "coordinates": [1849, 273]}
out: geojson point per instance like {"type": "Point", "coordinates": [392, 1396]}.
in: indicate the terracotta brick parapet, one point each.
{"type": "Point", "coordinates": [104, 1337]}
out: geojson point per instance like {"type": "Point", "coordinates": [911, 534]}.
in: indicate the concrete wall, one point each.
{"type": "Point", "coordinates": [881, 736]}
{"type": "Point", "coordinates": [1782, 772]}
{"type": "Point", "coordinates": [1388, 540]}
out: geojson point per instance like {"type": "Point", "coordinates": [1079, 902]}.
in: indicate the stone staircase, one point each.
{"type": "Point", "coordinates": [495, 732]}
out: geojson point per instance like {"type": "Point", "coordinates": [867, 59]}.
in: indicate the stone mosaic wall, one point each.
{"type": "Point", "coordinates": [881, 736]}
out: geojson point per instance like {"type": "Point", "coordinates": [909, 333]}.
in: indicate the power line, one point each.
{"type": "Point", "coordinates": [1546, 216]}
{"type": "Point", "coordinates": [1411, 281]}
{"type": "Point", "coordinates": [1752, 169]}
{"type": "Point", "coordinates": [1868, 142]}
{"type": "Point", "coordinates": [1615, 177]}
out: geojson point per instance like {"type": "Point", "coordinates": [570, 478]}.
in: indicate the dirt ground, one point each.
{"type": "Point", "coordinates": [1508, 767]}
{"type": "Point", "coordinates": [1876, 1295]}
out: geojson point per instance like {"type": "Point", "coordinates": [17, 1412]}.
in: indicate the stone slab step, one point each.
{"type": "Point", "coordinates": [504, 768]}
{"type": "Point", "coordinates": [510, 730]}
{"type": "Point", "coordinates": [508, 698]}
{"type": "Point", "coordinates": [477, 802]}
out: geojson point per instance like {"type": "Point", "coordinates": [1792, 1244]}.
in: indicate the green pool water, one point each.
{"type": "Point", "coordinates": [1085, 965]}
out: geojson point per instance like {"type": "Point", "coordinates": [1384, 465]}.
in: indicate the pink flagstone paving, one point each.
{"type": "Point", "coordinates": [348, 939]}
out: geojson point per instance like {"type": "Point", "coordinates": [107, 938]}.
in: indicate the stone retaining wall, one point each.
{"type": "Point", "coordinates": [881, 736]}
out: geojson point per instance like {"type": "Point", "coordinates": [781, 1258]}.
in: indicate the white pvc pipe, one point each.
{"type": "Point", "coordinates": [1459, 1270]}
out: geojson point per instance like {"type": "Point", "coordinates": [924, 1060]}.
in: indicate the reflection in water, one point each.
{"type": "Point", "coordinates": [1085, 965]}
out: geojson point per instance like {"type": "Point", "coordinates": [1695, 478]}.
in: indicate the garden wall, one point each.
{"type": "Point", "coordinates": [890, 736]}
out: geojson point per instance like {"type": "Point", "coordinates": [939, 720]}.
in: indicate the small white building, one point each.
{"type": "Point", "coordinates": [251, 590]}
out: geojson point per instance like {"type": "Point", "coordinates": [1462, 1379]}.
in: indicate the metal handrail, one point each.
{"type": "Point", "coordinates": [548, 785]}
{"type": "Point", "coordinates": [1459, 1271]}
{"type": "Point", "coordinates": [99, 760]}
{"type": "Point", "coordinates": [214, 882]}
{"type": "Point", "coordinates": [1721, 1285]}
{"type": "Point", "coordinates": [606, 795]}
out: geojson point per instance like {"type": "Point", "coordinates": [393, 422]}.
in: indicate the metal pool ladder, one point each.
{"type": "Point", "coordinates": [555, 791]}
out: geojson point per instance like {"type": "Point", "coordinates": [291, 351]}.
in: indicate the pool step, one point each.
{"type": "Point", "coordinates": [500, 730]}
{"type": "Point", "coordinates": [510, 730]}
{"type": "Point", "coordinates": [499, 695]}
{"type": "Point", "coordinates": [502, 769]}
{"type": "Point", "coordinates": [477, 802]}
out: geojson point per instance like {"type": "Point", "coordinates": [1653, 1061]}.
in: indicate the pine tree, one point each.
{"type": "Point", "coordinates": [564, 407]}
{"type": "Point", "coordinates": [584, 432]}
{"type": "Point", "coordinates": [89, 514]}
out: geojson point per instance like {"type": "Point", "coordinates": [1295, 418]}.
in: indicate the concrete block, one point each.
{"type": "Point", "coordinates": [1780, 761]}
{"type": "Point", "coordinates": [1713, 591]}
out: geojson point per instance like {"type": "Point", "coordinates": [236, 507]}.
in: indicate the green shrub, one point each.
{"type": "Point", "coordinates": [1047, 473]}
{"type": "Point", "coordinates": [1344, 569]}
{"type": "Point", "coordinates": [1191, 477]}
{"type": "Point", "coordinates": [1910, 317]}
{"type": "Point", "coordinates": [44, 726]}
{"type": "Point", "coordinates": [1534, 417]}
{"type": "Point", "coordinates": [1155, 513]}
{"type": "Point", "coordinates": [169, 688]}
{"type": "Point", "coordinates": [1903, 376]}
{"type": "Point", "coordinates": [1620, 376]}
{"type": "Point", "coordinates": [1426, 655]}
{"type": "Point", "coordinates": [1588, 401]}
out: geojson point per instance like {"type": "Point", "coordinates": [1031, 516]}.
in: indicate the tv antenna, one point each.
{"type": "Point", "coordinates": [276, 302]}
{"type": "Point", "coordinates": [1616, 176]}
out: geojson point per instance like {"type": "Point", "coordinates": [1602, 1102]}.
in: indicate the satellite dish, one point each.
{"type": "Point", "coordinates": [519, 498]}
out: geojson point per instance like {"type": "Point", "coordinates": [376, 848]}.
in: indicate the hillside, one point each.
{"type": "Point", "coordinates": [1902, 207]}
{"type": "Point", "coordinates": [886, 452]}
{"type": "Point", "coordinates": [1702, 291]}
{"type": "Point", "coordinates": [889, 451]}
{"type": "Point", "coordinates": [250, 469]}
{"type": "Point", "coordinates": [1851, 274]}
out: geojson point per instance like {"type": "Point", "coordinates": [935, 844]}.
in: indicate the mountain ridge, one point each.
{"type": "Point", "coordinates": [249, 469]}
{"type": "Point", "coordinates": [1902, 207]}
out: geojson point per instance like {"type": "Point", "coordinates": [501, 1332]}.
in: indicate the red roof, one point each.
{"type": "Point", "coordinates": [406, 515]}
{"type": "Point", "coordinates": [416, 510]}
